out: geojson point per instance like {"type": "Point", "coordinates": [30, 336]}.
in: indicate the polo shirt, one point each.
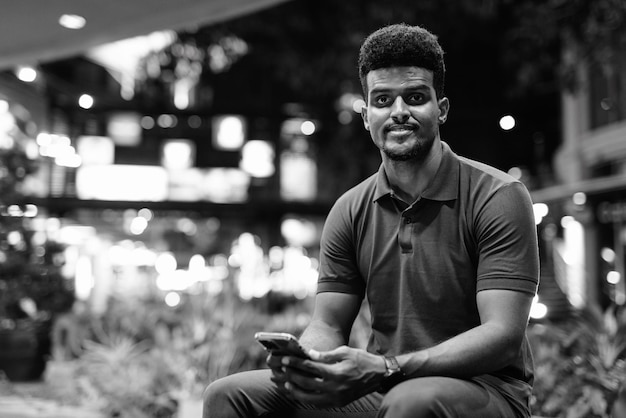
{"type": "Point", "coordinates": [420, 265]}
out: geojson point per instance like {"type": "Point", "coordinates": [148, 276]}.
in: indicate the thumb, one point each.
{"type": "Point", "coordinates": [332, 356]}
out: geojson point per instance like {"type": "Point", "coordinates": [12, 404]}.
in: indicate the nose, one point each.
{"type": "Point", "coordinates": [399, 110]}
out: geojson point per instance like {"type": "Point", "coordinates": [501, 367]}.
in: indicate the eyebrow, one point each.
{"type": "Point", "coordinates": [419, 87]}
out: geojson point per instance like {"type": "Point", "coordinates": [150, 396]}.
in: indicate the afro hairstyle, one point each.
{"type": "Point", "coordinates": [401, 45]}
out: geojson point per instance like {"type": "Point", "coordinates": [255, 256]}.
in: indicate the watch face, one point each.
{"type": "Point", "coordinates": [392, 365]}
{"type": "Point", "coordinates": [393, 376]}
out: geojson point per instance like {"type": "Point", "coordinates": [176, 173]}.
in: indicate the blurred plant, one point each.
{"type": "Point", "coordinates": [31, 284]}
{"type": "Point", "coordinates": [580, 364]}
{"type": "Point", "coordinates": [535, 40]}
{"type": "Point", "coordinates": [127, 380]}
{"type": "Point", "coordinates": [146, 358]}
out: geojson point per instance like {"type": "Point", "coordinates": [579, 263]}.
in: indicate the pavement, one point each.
{"type": "Point", "coordinates": [28, 407]}
{"type": "Point", "coordinates": [54, 396]}
{"type": "Point", "coordinates": [40, 399]}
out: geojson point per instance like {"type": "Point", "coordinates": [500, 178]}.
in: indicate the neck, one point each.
{"type": "Point", "coordinates": [410, 178]}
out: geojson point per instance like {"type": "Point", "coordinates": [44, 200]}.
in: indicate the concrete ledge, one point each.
{"type": "Point", "coordinates": [21, 407]}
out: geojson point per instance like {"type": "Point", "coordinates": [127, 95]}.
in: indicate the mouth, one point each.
{"type": "Point", "coordinates": [400, 130]}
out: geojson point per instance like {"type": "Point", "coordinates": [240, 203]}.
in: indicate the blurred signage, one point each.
{"type": "Point", "coordinates": [122, 182]}
{"type": "Point", "coordinates": [184, 185]}
{"type": "Point", "coordinates": [95, 150]}
{"type": "Point", "coordinates": [225, 185]}
{"type": "Point", "coordinates": [125, 129]}
{"type": "Point", "coordinates": [298, 177]}
{"type": "Point", "coordinates": [153, 183]}
{"type": "Point", "coordinates": [229, 132]}
{"type": "Point", "coordinates": [219, 185]}
{"type": "Point", "coordinates": [178, 154]}
{"type": "Point", "coordinates": [257, 159]}
{"type": "Point", "coordinates": [609, 212]}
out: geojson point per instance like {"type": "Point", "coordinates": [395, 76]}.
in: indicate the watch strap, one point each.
{"type": "Point", "coordinates": [393, 375]}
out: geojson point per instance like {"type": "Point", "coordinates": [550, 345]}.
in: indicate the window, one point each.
{"type": "Point", "coordinates": [607, 86]}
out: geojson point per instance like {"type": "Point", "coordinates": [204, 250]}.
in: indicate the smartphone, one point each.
{"type": "Point", "coordinates": [281, 343]}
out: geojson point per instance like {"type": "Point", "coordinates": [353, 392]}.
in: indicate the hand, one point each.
{"type": "Point", "coordinates": [331, 378]}
{"type": "Point", "coordinates": [280, 369]}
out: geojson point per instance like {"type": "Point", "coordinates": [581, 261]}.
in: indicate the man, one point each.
{"type": "Point", "coordinates": [444, 249]}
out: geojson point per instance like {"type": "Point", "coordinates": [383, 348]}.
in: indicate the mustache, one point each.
{"type": "Point", "coordinates": [400, 127]}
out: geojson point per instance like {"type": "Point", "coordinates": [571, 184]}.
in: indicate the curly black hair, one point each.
{"type": "Point", "coordinates": [402, 45]}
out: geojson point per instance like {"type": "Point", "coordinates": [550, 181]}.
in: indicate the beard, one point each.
{"type": "Point", "coordinates": [417, 152]}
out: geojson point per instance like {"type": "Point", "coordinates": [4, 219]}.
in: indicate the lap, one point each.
{"type": "Point", "coordinates": [446, 397]}
{"type": "Point", "coordinates": [252, 394]}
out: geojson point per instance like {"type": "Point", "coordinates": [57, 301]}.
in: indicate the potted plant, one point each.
{"type": "Point", "coordinates": [32, 289]}
{"type": "Point", "coordinates": [580, 365]}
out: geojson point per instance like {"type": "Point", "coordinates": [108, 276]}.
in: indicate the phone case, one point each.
{"type": "Point", "coordinates": [281, 343]}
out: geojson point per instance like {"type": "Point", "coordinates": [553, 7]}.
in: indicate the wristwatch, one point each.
{"type": "Point", "coordinates": [393, 376]}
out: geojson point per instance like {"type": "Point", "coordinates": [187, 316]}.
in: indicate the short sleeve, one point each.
{"type": "Point", "coordinates": [507, 242]}
{"type": "Point", "coordinates": [338, 268]}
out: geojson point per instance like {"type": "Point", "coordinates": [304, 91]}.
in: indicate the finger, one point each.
{"type": "Point", "coordinates": [313, 398]}
{"type": "Point", "coordinates": [308, 367]}
{"type": "Point", "coordinates": [279, 375]}
{"type": "Point", "coordinates": [306, 382]}
{"type": "Point", "coordinates": [332, 356]}
{"type": "Point", "coordinates": [274, 361]}
{"type": "Point", "coordinates": [314, 355]}
{"type": "Point", "coordinates": [280, 382]}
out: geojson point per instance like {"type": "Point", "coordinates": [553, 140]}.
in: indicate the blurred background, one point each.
{"type": "Point", "coordinates": [166, 168]}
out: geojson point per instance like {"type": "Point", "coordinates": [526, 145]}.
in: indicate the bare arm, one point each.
{"type": "Point", "coordinates": [350, 373]}
{"type": "Point", "coordinates": [329, 328]}
{"type": "Point", "coordinates": [486, 348]}
{"type": "Point", "coordinates": [332, 321]}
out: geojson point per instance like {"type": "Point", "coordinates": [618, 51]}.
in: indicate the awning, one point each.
{"type": "Point", "coordinates": [30, 33]}
{"type": "Point", "coordinates": [594, 186]}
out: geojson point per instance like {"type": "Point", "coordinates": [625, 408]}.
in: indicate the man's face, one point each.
{"type": "Point", "coordinates": [402, 112]}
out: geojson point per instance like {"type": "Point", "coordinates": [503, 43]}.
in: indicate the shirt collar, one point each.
{"type": "Point", "coordinates": [444, 186]}
{"type": "Point", "coordinates": [382, 184]}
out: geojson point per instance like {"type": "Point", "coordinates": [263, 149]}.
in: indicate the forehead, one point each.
{"type": "Point", "coordinates": [383, 78]}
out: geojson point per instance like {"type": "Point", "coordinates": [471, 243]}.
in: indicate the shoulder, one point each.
{"type": "Point", "coordinates": [483, 180]}
{"type": "Point", "coordinates": [488, 194]}
{"type": "Point", "coordinates": [349, 210]}
{"type": "Point", "coordinates": [357, 197]}
{"type": "Point", "coordinates": [477, 171]}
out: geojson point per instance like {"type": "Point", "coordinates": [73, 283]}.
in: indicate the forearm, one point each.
{"type": "Point", "coordinates": [332, 321]}
{"type": "Point", "coordinates": [481, 350]}
{"type": "Point", "coordinates": [320, 336]}
{"type": "Point", "coordinates": [486, 348]}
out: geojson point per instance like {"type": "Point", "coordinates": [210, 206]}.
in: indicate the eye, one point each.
{"type": "Point", "coordinates": [416, 98]}
{"type": "Point", "coordinates": [381, 100]}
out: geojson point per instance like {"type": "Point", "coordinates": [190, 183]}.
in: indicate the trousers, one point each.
{"type": "Point", "coordinates": [252, 394]}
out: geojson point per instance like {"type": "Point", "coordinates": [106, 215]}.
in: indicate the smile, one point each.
{"type": "Point", "coordinates": [400, 128]}
{"type": "Point", "coordinates": [400, 131]}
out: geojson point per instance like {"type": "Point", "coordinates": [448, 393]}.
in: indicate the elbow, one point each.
{"type": "Point", "coordinates": [510, 350]}
{"type": "Point", "coordinates": [507, 345]}
{"type": "Point", "coordinates": [510, 355]}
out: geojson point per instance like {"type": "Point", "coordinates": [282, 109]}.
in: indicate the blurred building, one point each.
{"type": "Point", "coordinates": [159, 185]}
{"type": "Point", "coordinates": [583, 232]}
{"type": "Point", "coordinates": [158, 152]}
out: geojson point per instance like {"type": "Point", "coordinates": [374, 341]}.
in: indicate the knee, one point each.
{"type": "Point", "coordinates": [215, 397]}
{"type": "Point", "coordinates": [208, 398]}
{"type": "Point", "coordinates": [405, 402]}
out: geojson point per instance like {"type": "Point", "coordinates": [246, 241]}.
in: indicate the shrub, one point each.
{"type": "Point", "coordinates": [580, 364]}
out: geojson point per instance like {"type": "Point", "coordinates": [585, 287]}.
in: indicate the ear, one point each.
{"type": "Point", "coordinates": [364, 116]}
{"type": "Point", "coordinates": [444, 109]}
